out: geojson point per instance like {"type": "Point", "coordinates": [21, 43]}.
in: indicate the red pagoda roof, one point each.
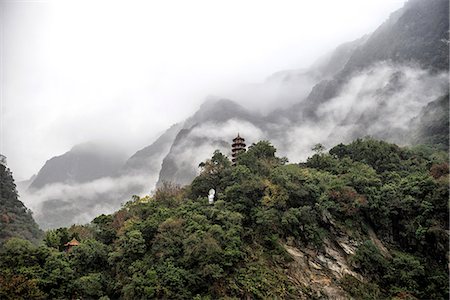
{"type": "Point", "coordinates": [73, 242]}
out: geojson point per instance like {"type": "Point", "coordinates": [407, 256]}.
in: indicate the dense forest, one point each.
{"type": "Point", "coordinates": [366, 220]}
{"type": "Point", "coordinates": [15, 219]}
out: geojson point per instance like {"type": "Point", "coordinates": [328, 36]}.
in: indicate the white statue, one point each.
{"type": "Point", "coordinates": [212, 192]}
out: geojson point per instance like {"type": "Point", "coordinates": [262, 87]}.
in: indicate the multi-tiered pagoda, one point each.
{"type": "Point", "coordinates": [237, 147]}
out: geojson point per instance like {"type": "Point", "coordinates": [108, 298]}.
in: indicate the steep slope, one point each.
{"type": "Point", "coordinates": [212, 127]}
{"type": "Point", "coordinates": [372, 86]}
{"type": "Point", "coordinates": [15, 219]}
{"type": "Point", "coordinates": [148, 160]}
{"type": "Point", "coordinates": [367, 220]}
{"type": "Point", "coordinates": [378, 85]}
{"type": "Point", "coordinates": [83, 163]}
{"type": "Point", "coordinates": [432, 125]}
{"type": "Point", "coordinates": [25, 184]}
{"type": "Point", "coordinates": [416, 35]}
{"type": "Point", "coordinates": [333, 63]}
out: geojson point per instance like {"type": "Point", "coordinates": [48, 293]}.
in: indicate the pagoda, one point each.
{"type": "Point", "coordinates": [71, 244]}
{"type": "Point", "coordinates": [237, 147]}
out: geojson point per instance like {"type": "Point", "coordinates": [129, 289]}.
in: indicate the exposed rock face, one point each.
{"type": "Point", "coordinates": [319, 272]}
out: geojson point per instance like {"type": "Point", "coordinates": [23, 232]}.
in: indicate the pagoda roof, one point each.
{"type": "Point", "coordinates": [73, 242]}
{"type": "Point", "coordinates": [238, 138]}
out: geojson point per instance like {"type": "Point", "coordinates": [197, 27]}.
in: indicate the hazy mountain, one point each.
{"type": "Point", "coordinates": [374, 86]}
{"type": "Point", "coordinates": [432, 125]}
{"type": "Point", "coordinates": [384, 84]}
{"type": "Point", "coordinates": [15, 219]}
{"type": "Point", "coordinates": [416, 35]}
{"type": "Point", "coordinates": [212, 127]}
{"type": "Point", "coordinates": [76, 185]}
{"type": "Point", "coordinates": [83, 163]}
{"type": "Point", "coordinates": [25, 184]}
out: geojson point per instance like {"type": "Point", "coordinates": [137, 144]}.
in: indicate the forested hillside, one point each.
{"type": "Point", "coordinates": [366, 220]}
{"type": "Point", "coordinates": [15, 219]}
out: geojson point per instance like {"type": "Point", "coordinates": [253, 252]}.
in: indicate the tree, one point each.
{"type": "Point", "coordinates": [318, 148]}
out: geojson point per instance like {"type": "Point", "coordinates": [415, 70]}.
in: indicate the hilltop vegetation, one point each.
{"type": "Point", "coordinates": [375, 210]}
{"type": "Point", "coordinates": [15, 219]}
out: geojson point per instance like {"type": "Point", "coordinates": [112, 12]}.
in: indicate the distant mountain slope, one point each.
{"type": "Point", "coordinates": [148, 160]}
{"type": "Point", "coordinates": [15, 219]}
{"type": "Point", "coordinates": [432, 125]}
{"type": "Point", "coordinates": [211, 127]}
{"type": "Point", "coordinates": [417, 35]}
{"type": "Point", "coordinates": [331, 64]}
{"type": "Point", "coordinates": [83, 163]}
{"type": "Point", "coordinates": [384, 85]}
{"type": "Point", "coordinates": [374, 86]}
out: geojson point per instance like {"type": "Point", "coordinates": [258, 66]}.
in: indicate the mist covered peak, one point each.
{"type": "Point", "coordinates": [84, 162]}
{"type": "Point", "coordinates": [219, 110]}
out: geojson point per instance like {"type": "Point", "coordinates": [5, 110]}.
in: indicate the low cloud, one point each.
{"type": "Point", "coordinates": [380, 101]}
{"type": "Point", "coordinates": [62, 204]}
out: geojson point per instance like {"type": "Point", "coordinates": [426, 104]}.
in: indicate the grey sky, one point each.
{"type": "Point", "coordinates": [73, 71]}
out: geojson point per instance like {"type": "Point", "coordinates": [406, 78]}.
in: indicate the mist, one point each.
{"type": "Point", "coordinates": [379, 101]}
{"type": "Point", "coordinates": [72, 72]}
{"type": "Point", "coordinates": [59, 204]}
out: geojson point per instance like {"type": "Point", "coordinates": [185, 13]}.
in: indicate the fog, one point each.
{"type": "Point", "coordinates": [379, 101]}
{"type": "Point", "coordinates": [75, 71]}
{"type": "Point", "coordinates": [60, 204]}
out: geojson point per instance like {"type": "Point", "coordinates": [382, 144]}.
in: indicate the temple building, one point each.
{"type": "Point", "coordinates": [237, 147]}
{"type": "Point", "coordinates": [71, 244]}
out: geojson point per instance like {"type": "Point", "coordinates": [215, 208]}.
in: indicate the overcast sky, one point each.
{"type": "Point", "coordinates": [74, 71]}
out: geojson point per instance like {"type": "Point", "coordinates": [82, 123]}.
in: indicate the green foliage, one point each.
{"type": "Point", "coordinates": [174, 245]}
{"type": "Point", "coordinates": [360, 290]}
{"type": "Point", "coordinates": [15, 219]}
{"type": "Point", "coordinates": [370, 260]}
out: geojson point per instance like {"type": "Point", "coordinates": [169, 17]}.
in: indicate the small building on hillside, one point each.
{"type": "Point", "coordinates": [237, 147]}
{"type": "Point", "coordinates": [71, 244]}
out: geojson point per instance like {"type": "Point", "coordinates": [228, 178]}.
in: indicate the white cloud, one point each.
{"type": "Point", "coordinates": [369, 104]}
{"type": "Point", "coordinates": [73, 71]}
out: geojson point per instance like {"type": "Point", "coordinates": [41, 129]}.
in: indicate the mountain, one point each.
{"type": "Point", "coordinates": [15, 219]}
{"type": "Point", "coordinates": [367, 220]}
{"type": "Point", "coordinates": [384, 84]}
{"type": "Point", "coordinates": [83, 163]}
{"type": "Point", "coordinates": [375, 86]}
{"type": "Point", "coordinates": [25, 184]}
{"type": "Point", "coordinates": [432, 125]}
{"type": "Point", "coordinates": [200, 137]}
{"type": "Point", "coordinates": [148, 160]}
{"type": "Point", "coordinates": [417, 34]}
